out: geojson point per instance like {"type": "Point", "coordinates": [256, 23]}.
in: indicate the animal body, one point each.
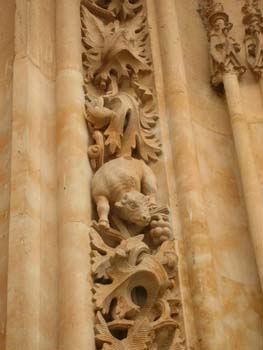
{"type": "Point", "coordinates": [128, 187]}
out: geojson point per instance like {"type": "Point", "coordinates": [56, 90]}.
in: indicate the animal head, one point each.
{"type": "Point", "coordinates": [133, 207]}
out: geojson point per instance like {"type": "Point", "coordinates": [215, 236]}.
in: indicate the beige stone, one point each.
{"type": "Point", "coordinates": [131, 175]}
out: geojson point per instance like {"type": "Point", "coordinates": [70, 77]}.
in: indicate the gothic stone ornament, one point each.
{"type": "Point", "coordinates": [134, 265]}
{"type": "Point", "coordinates": [136, 289]}
{"type": "Point", "coordinates": [253, 21]}
{"type": "Point", "coordinates": [118, 80]}
{"type": "Point", "coordinates": [127, 187]}
{"type": "Point", "coordinates": [114, 9]}
{"type": "Point", "coordinates": [223, 48]}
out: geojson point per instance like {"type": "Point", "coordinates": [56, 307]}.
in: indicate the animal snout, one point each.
{"type": "Point", "coordinates": [146, 218]}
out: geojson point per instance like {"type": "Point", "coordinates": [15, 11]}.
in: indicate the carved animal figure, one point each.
{"type": "Point", "coordinates": [127, 186]}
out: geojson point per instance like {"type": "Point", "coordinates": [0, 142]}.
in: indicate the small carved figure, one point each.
{"type": "Point", "coordinates": [223, 48]}
{"type": "Point", "coordinates": [128, 187]}
{"type": "Point", "coordinates": [253, 21]}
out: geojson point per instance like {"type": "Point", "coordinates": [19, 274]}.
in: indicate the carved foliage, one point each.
{"type": "Point", "coordinates": [253, 21]}
{"type": "Point", "coordinates": [223, 48]}
{"type": "Point", "coordinates": [118, 79]}
{"type": "Point", "coordinates": [136, 285]}
{"type": "Point", "coordinates": [136, 294]}
{"type": "Point", "coordinates": [134, 264]}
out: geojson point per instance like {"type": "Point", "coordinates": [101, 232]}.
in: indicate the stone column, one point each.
{"type": "Point", "coordinates": [23, 302]}
{"type": "Point", "coordinates": [75, 307]}
{"type": "Point", "coordinates": [202, 273]}
{"type": "Point", "coordinates": [249, 176]}
{"type": "Point", "coordinates": [261, 87]}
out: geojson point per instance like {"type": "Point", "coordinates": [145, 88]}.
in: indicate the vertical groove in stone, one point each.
{"type": "Point", "coordinates": [74, 204]}
{"type": "Point", "coordinates": [249, 176]}
{"type": "Point", "coordinates": [191, 203]}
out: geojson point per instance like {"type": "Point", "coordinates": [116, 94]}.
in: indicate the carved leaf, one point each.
{"type": "Point", "coordinates": [104, 335]}
{"type": "Point", "coordinates": [93, 40]}
{"type": "Point", "coordinates": [138, 30]}
{"type": "Point", "coordinates": [139, 336]}
{"type": "Point", "coordinates": [101, 255]}
{"type": "Point", "coordinates": [138, 132]}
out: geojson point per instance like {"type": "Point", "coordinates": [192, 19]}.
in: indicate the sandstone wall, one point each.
{"type": "Point", "coordinates": [234, 259]}
{"type": "Point", "coordinates": [46, 208]}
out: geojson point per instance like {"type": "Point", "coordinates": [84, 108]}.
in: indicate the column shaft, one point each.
{"type": "Point", "coordinates": [23, 301]}
{"type": "Point", "coordinates": [249, 176]}
{"type": "Point", "coordinates": [189, 187]}
{"type": "Point", "coordinates": [74, 207]}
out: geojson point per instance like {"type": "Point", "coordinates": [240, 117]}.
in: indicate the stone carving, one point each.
{"type": "Point", "coordinates": [119, 99]}
{"type": "Point", "coordinates": [134, 263]}
{"type": "Point", "coordinates": [253, 21]}
{"type": "Point", "coordinates": [114, 9]}
{"type": "Point", "coordinates": [223, 48]}
{"type": "Point", "coordinates": [135, 295]}
{"type": "Point", "coordinates": [129, 192]}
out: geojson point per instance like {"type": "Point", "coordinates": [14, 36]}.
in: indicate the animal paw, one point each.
{"type": "Point", "coordinates": [104, 223]}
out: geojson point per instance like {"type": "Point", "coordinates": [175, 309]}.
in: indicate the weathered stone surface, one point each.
{"type": "Point", "coordinates": [131, 208]}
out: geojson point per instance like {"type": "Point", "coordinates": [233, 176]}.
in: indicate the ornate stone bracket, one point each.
{"type": "Point", "coordinates": [134, 263]}
{"type": "Point", "coordinates": [223, 47]}
{"type": "Point", "coordinates": [253, 21]}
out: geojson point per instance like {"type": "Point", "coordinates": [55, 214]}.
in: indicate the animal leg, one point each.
{"type": "Point", "coordinates": [103, 209]}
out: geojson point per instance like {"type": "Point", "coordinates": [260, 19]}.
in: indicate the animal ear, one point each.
{"type": "Point", "coordinates": [118, 204]}
{"type": "Point", "coordinates": [148, 199]}
{"type": "Point", "coordinates": [124, 199]}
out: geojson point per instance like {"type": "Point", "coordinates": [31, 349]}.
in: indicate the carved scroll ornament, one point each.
{"type": "Point", "coordinates": [134, 263]}
{"type": "Point", "coordinates": [223, 48]}
{"type": "Point", "coordinates": [253, 21]}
